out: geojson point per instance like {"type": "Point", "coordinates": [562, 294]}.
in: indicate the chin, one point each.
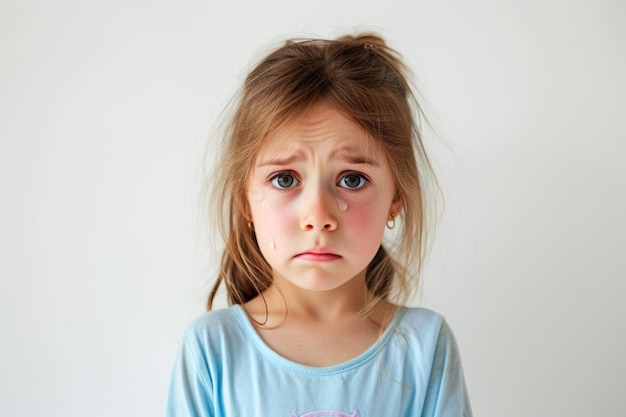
{"type": "Point", "coordinates": [319, 281]}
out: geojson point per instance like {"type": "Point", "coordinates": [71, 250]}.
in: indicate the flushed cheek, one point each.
{"type": "Point", "coordinates": [274, 225]}
{"type": "Point", "coordinates": [359, 218]}
{"type": "Point", "coordinates": [366, 225]}
{"type": "Point", "coordinates": [364, 216]}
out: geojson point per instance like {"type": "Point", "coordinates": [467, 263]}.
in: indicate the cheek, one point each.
{"type": "Point", "coordinates": [365, 215]}
{"type": "Point", "coordinates": [366, 223]}
{"type": "Point", "coordinates": [273, 223]}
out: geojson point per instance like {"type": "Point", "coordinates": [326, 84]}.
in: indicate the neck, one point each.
{"type": "Point", "coordinates": [347, 301]}
{"type": "Point", "coordinates": [284, 299]}
{"type": "Point", "coordinates": [304, 326]}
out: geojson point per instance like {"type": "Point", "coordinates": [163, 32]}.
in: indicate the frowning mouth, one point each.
{"type": "Point", "coordinates": [318, 255]}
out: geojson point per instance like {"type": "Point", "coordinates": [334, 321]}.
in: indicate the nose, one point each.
{"type": "Point", "coordinates": [318, 208]}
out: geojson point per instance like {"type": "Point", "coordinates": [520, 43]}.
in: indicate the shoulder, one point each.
{"type": "Point", "coordinates": [421, 319]}
{"type": "Point", "coordinates": [215, 319]}
{"type": "Point", "coordinates": [434, 349]}
{"type": "Point", "coordinates": [202, 353]}
{"type": "Point", "coordinates": [424, 328]}
{"type": "Point", "coordinates": [214, 327]}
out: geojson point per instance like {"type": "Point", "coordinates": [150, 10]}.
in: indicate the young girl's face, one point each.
{"type": "Point", "coordinates": [319, 195]}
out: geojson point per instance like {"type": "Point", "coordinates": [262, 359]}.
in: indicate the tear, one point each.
{"type": "Point", "coordinates": [343, 205]}
{"type": "Point", "coordinates": [272, 244]}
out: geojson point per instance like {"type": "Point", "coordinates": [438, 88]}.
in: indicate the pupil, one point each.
{"type": "Point", "coordinates": [352, 180]}
{"type": "Point", "coordinates": [285, 180]}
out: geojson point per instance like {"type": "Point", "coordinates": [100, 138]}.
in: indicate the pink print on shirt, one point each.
{"type": "Point", "coordinates": [328, 414]}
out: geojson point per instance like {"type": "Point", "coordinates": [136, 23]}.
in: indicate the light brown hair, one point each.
{"type": "Point", "coordinates": [365, 80]}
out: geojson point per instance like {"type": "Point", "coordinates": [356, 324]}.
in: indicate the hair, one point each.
{"type": "Point", "coordinates": [365, 80]}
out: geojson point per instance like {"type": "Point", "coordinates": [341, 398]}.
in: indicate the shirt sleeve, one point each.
{"type": "Point", "coordinates": [190, 390]}
{"type": "Point", "coordinates": [446, 395]}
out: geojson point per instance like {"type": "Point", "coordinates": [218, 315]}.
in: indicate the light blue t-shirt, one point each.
{"type": "Point", "coordinates": [224, 369]}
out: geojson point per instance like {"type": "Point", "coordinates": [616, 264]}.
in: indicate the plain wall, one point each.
{"type": "Point", "coordinates": [105, 108]}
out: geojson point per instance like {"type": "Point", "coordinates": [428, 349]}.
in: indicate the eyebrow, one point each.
{"type": "Point", "coordinates": [278, 161]}
{"type": "Point", "coordinates": [352, 156]}
{"type": "Point", "coordinates": [359, 160]}
{"type": "Point", "coordinates": [346, 154]}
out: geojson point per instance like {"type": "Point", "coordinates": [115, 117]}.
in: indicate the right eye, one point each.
{"type": "Point", "coordinates": [284, 181]}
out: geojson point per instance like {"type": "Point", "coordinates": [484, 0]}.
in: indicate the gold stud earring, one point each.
{"type": "Point", "coordinates": [391, 223]}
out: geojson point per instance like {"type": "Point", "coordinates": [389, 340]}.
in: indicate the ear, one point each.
{"type": "Point", "coordinates": [244, 208]}
{"type": "Point", "coordinates": [246, 212]}
{"type": "Point", "coordinates": [397, 204]}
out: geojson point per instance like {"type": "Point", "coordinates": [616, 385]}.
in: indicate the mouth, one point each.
{"type": "Point", "coordinates": [318, 255]}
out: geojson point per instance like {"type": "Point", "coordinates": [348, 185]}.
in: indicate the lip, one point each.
{"type": "Point", "coordinates": [318, 255]}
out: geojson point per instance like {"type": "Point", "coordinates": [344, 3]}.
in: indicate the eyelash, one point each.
{"type": "Point", "coordinates": [363, 181]}
{"type": "Point", "coordinates": [277, 175]}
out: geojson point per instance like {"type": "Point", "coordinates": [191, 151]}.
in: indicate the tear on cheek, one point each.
{"type": "Point", "coordinates": [342, 204]}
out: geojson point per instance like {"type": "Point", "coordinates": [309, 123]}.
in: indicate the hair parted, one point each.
{"type": "Point", "coordinates": [365, 80]}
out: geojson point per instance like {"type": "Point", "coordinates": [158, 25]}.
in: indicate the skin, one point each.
{"type": "Point", "coordinates": [319, 198]}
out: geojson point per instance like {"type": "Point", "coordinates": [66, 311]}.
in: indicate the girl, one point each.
{"type": "Point", "coordinates": [320, 157]}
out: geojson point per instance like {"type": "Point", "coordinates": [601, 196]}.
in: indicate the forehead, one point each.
{"type": "Point", "coordinates": [322, 129]}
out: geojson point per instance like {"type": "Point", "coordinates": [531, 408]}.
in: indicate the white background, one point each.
{"type": "Point", "coordinates": [105, 108]}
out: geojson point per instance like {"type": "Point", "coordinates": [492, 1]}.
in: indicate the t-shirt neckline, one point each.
{"type": "Point", "coordinates": [280, 360]}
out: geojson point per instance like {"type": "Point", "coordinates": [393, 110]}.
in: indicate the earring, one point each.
{"type": "Point", "coordinates": [391, 223]}
{"type": "Point", "coordinates": [250, 226]}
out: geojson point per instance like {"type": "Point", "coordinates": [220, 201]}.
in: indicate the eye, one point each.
{"type": "Point", "coordinates": [283, 181]}
{"type": "Point", "coordinates": [353, 181]}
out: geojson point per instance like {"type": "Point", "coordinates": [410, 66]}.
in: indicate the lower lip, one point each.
{"type": "Point", "coordinates": [318, 257]}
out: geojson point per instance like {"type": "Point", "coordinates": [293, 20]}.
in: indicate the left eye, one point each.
{"type": "Point", "coordinates": [353, 181]}
{"type": "Point", "coordinates": [284, 181]}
